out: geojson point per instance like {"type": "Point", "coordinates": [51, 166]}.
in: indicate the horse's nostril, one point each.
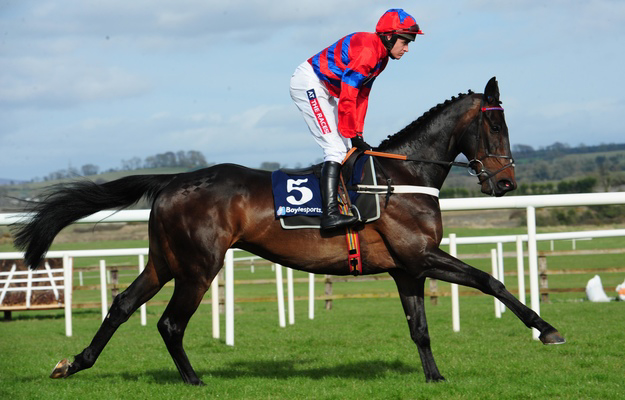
{"type": "Point", "coordinates": [505, 184]}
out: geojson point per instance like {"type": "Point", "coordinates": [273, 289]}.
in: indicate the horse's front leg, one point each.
{"type": "Point", "coordinates": [440, 265]}
{"type": "Point", "coordinates": [411, 293]}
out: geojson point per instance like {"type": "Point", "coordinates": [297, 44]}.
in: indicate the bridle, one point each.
{"type": "Point", "coordinates": [475, 166]}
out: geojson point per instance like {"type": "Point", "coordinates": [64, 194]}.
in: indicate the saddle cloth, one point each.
{"type": "Point", "coordinates": [297, 195]}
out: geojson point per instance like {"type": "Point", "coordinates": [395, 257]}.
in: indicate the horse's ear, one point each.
{"type": "Point", "coordinates": [491, 93]}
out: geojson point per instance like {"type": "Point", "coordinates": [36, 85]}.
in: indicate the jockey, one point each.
{"type": "Point", "coordinates": [331, 89]}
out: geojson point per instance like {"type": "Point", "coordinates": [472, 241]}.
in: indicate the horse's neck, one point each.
{"type": "Point", "coordinates": [434, 142]}
{"type": "Point", "coordinates": [427, 172]}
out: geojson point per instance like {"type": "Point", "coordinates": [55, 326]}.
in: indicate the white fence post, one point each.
{"type": "Point", "coordinates": [455, 303]}
{"type": "Point", "coordinates": [52, 283]}
{"type": "Point", "coordinates": [533, 264]}
{"type": "Point", "coordinates": [215, 306]}
{"type": "Point", "coordinates": [280, 295]}
{"type": "Point", "coordinates": [495, 269]}
{"type": "Point", "coordinates": [103, 288]}
{"type": "Point", "coordinates": [67, 287]}
{"type": "Point", "coordinates": [311, 296]}
{"type": "Point", "coordinates": [290, 295]}
{"type": "Point", "coordinates": [229, 264]}
{"type": "Point", "coordinates": [500, 269]}
{"type": "Point", "coordinates": [7, 283]}
{"type": "Point", "coordinates": [29, 286]}
{"type": "Point", "coordinates": [143, 309]}
{"type": "Point", "coordinates": [520, 268]}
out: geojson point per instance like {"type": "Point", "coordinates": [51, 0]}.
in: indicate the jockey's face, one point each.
{"type": "Point", "coordinates": [399, 48]}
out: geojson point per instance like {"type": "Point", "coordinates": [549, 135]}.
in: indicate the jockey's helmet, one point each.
{"type": "Point", "coordinates": [396, 23]}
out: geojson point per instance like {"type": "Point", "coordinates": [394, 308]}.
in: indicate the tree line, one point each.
{"type": "Point", "coordinates": [608, 170]}
{"type": "Point", "coordinates": [180, 159]}
{"type": "Point", "coordinates": [558, 168]}
{"type": "Point", "coordinates": [191, 159]}
{"type": "Point", "coordinates": [555, 169]}
{"type": "Point", "coordinates": [559, 149]}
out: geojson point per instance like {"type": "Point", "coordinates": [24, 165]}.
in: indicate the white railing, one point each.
{"type": "Point", "coordinates": [530, 203]}
{"type": "Point", "coordinates": [31, 279]}
{"type": "Point", "coordinates": [68, 257]}
{"type": "Point", "coordinates": [497, 262]}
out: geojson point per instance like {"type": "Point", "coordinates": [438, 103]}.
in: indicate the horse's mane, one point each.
{"type": "Point", "coordinates": [422, 120]}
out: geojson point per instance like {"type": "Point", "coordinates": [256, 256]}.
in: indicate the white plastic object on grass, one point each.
{"type": "Point", "coordinates": [594, 290]}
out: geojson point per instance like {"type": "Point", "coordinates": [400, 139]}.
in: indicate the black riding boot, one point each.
{"type": "Point", "coordinates": [331, 218]}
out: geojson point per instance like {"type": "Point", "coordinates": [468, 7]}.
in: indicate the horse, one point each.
{"type": "Point", "coordinates": [197, 216]}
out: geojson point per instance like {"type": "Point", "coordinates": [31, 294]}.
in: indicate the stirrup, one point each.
{"type": "Point", "coordinates": [356, 212]}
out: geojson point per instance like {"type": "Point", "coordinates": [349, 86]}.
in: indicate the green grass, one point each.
{"type": "Point", "coordinates": [360, 349]}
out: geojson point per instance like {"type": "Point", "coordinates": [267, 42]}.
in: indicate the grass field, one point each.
{"type": "Point", "coordinates": [359, 349]}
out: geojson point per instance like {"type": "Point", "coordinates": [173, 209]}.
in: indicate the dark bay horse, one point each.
{"type": "Point", "coordinates": [197, 216]}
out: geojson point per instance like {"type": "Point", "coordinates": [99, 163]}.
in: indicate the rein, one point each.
{"type": "Point", "coordinates": [414, 158]}
{"type": "Point", "coordinates": [474, 164]}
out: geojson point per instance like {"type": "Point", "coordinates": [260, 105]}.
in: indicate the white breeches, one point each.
{"type": "Point", "coordinates": [320, 111]}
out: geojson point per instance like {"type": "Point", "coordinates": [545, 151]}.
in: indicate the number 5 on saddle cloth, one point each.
{"type": "Point", "coordinates": [297, 194]}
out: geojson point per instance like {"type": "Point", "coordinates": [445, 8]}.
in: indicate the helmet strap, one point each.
{"type": "Point", "coordinates": [388, 40]}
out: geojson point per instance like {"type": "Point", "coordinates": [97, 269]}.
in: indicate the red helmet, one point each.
{"type": "Point", "coordinates": [398, 22]}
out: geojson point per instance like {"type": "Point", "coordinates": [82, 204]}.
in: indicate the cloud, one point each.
{"type": "Point", "coordinates": [248, 137]}
{"type": "Point", "coordinates": [101, 81]}
{"type": "Point", "coordinates": [165, 22]}
{"type": "Point", "coordinates": [51, 82]}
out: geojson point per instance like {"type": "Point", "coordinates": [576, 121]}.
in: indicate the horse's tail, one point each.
{"type": "Point", "coordinates": [67, 203]}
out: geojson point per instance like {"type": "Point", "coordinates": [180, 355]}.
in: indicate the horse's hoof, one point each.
{"type": "Point", "coordinates": [60, 370]}
{"type": "Point", "coordinates": [552, 337]}
{"type": "Point", "coordinates": [439, 378]}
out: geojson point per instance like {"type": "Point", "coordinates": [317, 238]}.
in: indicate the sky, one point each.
{"type": "Point", "coordinates": [99, 82]}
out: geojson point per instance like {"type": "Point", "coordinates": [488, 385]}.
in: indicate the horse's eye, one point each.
{"type": "Point", "coordinates": [496, 128]}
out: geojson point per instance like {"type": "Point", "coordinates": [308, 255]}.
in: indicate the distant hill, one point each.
{"type": "Point", "coordinates": [4, 181]}
{"type": "Point", "coordinates": [555, 169]}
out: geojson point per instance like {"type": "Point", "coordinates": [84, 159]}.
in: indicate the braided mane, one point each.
{"type": "Point", "coordinates": [421, 121]}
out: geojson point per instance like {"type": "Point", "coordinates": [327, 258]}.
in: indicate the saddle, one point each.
{"type": "Point", "coordinates": [297, 194]}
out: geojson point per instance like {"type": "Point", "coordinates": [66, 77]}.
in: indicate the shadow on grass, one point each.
{"type": "Point", "coordinates": [286, 369]}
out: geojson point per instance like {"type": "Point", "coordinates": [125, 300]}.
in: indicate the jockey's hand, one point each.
{"type": "Point", "coordinates": [360, 144]}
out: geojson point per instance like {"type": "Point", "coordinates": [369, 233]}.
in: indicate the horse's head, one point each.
{"type": "Point", "coordinates": [472, 124]}
{"type": "Point", "coordinates": [487, 146]}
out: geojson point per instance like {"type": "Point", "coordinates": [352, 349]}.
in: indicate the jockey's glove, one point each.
{"type": "Point", "coordinates": [360, 144]}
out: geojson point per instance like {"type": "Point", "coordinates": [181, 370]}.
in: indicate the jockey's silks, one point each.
{"type": "Point", "coordinates": [348, 68]}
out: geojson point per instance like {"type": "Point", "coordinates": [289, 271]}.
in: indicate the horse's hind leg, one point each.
{"type": "Point", "coordinates": [185, 300]}
{"type": "Point", "coordinates": [411, 293]}
{"type": "Point", "coordinates": [141, 290]}
{"type": "Point", "coordinates": [447, 268]}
